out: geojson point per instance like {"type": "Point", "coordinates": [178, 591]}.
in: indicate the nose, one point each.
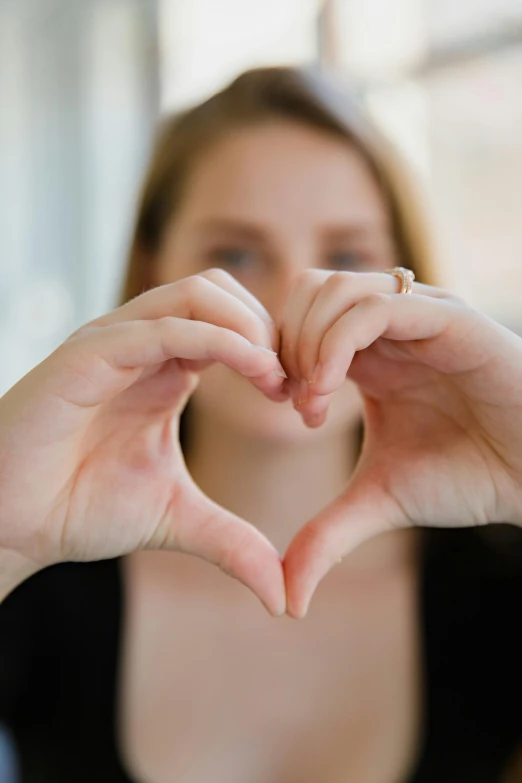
{"type": "Point", "coordinates": [292, 256]}
{"type": "Point", "coordinates": [275, 296]}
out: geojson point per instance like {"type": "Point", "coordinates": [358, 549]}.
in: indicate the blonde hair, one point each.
{"type": "Point", "coordinates": [302, 95]}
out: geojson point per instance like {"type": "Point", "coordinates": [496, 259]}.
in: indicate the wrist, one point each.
{"type": "Point", "coordinates": [14, 569]}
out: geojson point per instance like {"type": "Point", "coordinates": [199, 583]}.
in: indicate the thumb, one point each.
{"type": "Point", "coordinates": [200, 527]}
{"type": "Point", "coordinates": [363, 511]}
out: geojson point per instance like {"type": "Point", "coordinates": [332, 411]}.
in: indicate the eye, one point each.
{"type": "Point", "coordinates": [345, 260]}
{"type": "Point", "coordinates": [235, 259]}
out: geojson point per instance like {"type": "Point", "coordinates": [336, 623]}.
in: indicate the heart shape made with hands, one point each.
{"type": "Point", "coordinates": [440, 384]}
{"type": "Point", "coordinates": [443, 424]}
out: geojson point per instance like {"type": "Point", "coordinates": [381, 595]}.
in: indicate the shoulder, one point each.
{"type": "Point", "coordinates": [472, 581]}
{"type": "Point", "coordinates": [471, 598]}
{"type": "Point", "coordinates": [61, 597]}
{"type": "Point", "coordinates": [51, 623]}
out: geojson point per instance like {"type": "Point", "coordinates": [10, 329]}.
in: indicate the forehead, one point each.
{"type": "Point", "coordinates": [282, 170]}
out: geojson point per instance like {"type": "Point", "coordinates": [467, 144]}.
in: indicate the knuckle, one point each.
{"type": "Point", "coordinates": [196, 286]}
{"type": "Point", "coordinates": [306, 279]}
{"type": "Point", "coordinates": [458, 301]}
{"type": "Point", "coordinates": [341, 279]}
{"type": "Point", "coordinates": [83, 332]}
{"type": "Point", "coordinates": [341, 283]}
{"type": "Point", "coordinates": [215, 274]}
{"type": "Point", "coordinates": [447, 296]}
{"type": "Point", "coordinates": [163, 330]}
{"type": "Point", "coordinates": [161, 326]}
{"type": "Point", "coordinates": [377, 299]}
{"type": "Point", "coordinates": [230, 339]}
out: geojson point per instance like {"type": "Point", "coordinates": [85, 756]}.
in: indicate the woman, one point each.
{"type": "Point", "coordinates": [270, 219]}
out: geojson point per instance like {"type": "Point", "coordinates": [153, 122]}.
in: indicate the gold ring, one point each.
{"type": "Point", "coordinates": [406, 277]}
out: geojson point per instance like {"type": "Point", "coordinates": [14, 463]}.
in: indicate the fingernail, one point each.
{"type": "Point", "coordinates": [301, 614]}
{"type": "Point", "coordinates": [280, 610]}
{"type": "Point", "coordinates": [279, 369]}
{"type": "Point", "coordinates": [277, 607]}
{"type": "Point", "coordinates": [305, 607]}
{"type": "Point", "coordinates": [316, 420]}
{"type": "Point", "coordinates": [262, 348]}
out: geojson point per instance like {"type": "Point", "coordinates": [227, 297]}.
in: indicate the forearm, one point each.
{"type": "Point", "coordinates": [14, 569]}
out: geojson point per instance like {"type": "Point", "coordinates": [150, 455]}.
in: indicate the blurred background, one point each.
{"type": "Point", "coordinates": [83, 82]}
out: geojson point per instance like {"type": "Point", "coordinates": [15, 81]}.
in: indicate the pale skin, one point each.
{"type": "Point", "coordinates": [268, 205]}
{"type": "Point", "coordinates": [427, 352]}
{"type": "Point", "coordinates": [90, 466]}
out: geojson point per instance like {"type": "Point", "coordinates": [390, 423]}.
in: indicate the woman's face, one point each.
{"type": "Point", "coordinates": [265, 203]}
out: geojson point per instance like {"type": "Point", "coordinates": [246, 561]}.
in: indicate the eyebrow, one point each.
{"type": "Point", "coordinates": [232, 226]}
{"type": "Point", "coordinates": [358, 229]}
{"type": "Point", "coordinates": [337, 232]}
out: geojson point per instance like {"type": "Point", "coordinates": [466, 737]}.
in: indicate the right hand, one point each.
{"type": "Point", "coordinates": [90, 461]}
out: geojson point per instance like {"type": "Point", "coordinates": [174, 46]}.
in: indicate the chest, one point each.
{"type": "Point", "coordinates": [215, 689]}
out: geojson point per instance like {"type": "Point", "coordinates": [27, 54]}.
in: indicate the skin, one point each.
{"type": "Point", "coordinates": [440, 385]}
{"type": "Point", "coordinates": [426, 364]}
{"type": "Point", "coordinates": [254, 209]}
{"type": "Point", "coordinates": [276, 206]}
{"type": "Point", "coordinates": [267, 204]}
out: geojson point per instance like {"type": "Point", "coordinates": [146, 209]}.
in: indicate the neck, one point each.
{"type": "Point", "coordinates": [275, 486]}
{"type": "Point", "coordinates": [279, 486]}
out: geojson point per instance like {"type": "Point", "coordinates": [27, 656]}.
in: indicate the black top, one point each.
{"type": "Point", "coordinates": [59, 647]}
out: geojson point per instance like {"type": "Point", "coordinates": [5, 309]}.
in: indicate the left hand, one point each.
{"type": "Point", "coordinates": [442, 390]}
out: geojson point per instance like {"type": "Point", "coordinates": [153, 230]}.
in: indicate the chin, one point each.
{"type": "Point", "coordinates": [234, 403]}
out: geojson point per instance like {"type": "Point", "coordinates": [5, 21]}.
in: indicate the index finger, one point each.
{"type": "Point", "coordinates": [196, 298]}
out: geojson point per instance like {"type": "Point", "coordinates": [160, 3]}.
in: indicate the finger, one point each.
{"type": "Point", "coordinates": [339, 293]}
{"type": "Point", "coordinates": [103, 361]}
{"type": "Point", "coordinates": [314, 408]}
{"type": "Point", "coordinates": [229, 283]}
{"type": "Point", "coordinates": [364, 511]}
{"type": "Point", "coordinates": [404, 318]}
{"type": "Point", "coordinates": [300, 299]}
{"type": "Point", "coordinates": [199, 299]}
{"type": "Point", "coordinates": [205, 529]}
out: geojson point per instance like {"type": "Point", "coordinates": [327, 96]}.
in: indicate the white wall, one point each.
{"type": "Point", "coordinates": [78, 100]}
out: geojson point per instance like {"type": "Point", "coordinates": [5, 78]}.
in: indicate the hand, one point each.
{"type": "Point", "coordinates": [442, 389]}
{"type": "Point", "coordinates": [90, 463]}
